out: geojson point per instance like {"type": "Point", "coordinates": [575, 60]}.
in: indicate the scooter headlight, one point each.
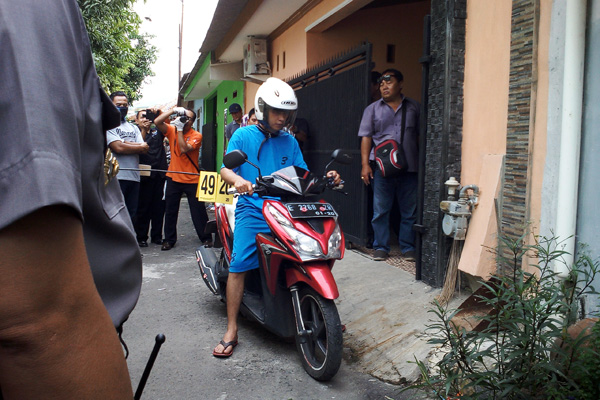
{"type": "Point", "coordinates": [335, 243]}
{"type": "Point", "coordinates": [306, 247]}
{"type": "Point", "coordinates": [279, 217]}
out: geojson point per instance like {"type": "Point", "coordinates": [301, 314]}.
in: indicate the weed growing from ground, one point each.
{"type": "Point", "coordinates": [523, 350]}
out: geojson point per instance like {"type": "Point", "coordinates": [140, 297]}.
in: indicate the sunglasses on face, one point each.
{"type": "Point", "coordinates": [386, 78]}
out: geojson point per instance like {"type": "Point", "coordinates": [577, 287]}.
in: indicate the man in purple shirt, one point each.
{"type": "Point", "coordinates": [382, 120]}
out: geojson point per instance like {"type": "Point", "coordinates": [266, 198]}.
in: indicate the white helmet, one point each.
{"type": "Point", "coordinates": [275, 93]}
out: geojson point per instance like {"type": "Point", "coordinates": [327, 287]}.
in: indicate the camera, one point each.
{"type": "Point", "coordinates": [182, 116]}
{"type": "Point", "coordinates": [150, 115]}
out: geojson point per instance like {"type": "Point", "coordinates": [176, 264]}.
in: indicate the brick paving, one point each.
{"type": "Point", "coordinates": [395, 258]}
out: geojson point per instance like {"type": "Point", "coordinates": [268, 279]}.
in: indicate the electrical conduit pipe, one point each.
{"type": "Point", "coordinates": [570, 141]}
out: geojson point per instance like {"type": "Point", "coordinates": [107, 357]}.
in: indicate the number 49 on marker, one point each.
{"type": "Point", "coordinates": [212, 189]}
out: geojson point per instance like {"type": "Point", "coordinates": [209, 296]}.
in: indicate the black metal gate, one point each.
{"type": "Point", "coordinates": [332, 98]}
{"type": "Point", "coordinates": [209, 146]}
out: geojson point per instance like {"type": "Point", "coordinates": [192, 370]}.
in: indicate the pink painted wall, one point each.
{"type": "Point", "coordinates": [485, 119]}
{"type": "Point", "coordinates": [487, 66]}
{"type": "Point", "coordinates": [400, 25]}
{"type": "Point", "coordinates": [292, 46]}
{"type": "Point", "coordinates": [249, 94]}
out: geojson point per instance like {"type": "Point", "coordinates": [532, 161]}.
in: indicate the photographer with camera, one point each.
{"type": "Point", "coordinates": [151, 206]}
{"type": "Point", "coordinates": [185, 145]}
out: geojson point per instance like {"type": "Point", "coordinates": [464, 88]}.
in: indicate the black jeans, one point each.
{"type": "Point", "coordinates": [197, 210]}
{"type": "Point", "coordinates": [130, 190]}
{"type": "Point", "coordinates": [151, 208]}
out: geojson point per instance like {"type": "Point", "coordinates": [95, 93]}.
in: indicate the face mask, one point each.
{"type": "Point", "coordinates": [123, 111]}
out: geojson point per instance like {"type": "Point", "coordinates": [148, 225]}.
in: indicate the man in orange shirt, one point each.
{"type": "Point", "coordinates": [185, 144]}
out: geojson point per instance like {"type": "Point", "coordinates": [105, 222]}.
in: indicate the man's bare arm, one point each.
{"type": "Point", "coordinates": [183, 146]}
{"type": "Point", "coordinates": [160, 121]}
{"type": "Point", "coordinates": [366, 173]}
{"type": "Point", "coordinates": [241, 185]}
{"type": "Point", "coordinates": [119, 147]}
{"type": "Point", "coordinates": [57, 340]}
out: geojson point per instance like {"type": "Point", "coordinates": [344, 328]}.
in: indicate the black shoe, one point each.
{"type": "Point", "coordinates": [167, 246]}
{"type": "Point", "coordinates": [142, 243]}
{"type": "Point", "coordinates": [380, 255]}
{"type": "Point", "coordinates": [409, 255]}
{"type": "Point", "coordinates": [157, 241]}
{"type": "Point", "coordinates": [207, 243]}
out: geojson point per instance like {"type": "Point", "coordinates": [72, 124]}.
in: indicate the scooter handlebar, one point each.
{"type": "Point", "coordinates": [234, 190]}
{"type": "Point", "coordinates": [339, 187]}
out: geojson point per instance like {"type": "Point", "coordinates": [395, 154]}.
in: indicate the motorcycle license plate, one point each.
{"type": "Point", "coordinates": [311, 210]}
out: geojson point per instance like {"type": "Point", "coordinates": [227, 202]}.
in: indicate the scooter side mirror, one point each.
{"type": "Point", "coordinates": [234, 159]}
{"type": "Point", "coordinates": [341, 156]}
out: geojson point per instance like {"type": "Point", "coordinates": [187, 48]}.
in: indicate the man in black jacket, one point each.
{"type": "Point", "coordinates": [151, 203]}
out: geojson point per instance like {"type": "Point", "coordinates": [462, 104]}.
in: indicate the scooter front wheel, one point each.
{"type": "Point", "coordinates": [321, 347]}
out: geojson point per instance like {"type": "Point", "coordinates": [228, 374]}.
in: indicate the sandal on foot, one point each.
{"type": "Point", "coordinates": [225, 345]}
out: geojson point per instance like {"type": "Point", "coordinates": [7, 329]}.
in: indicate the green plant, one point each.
{"type": "Point", "coordinates": [122, 56]}
{"type": "Point", "coordinates": [585, 372]}
{"type": "Point", "coordinates": [523, 350]}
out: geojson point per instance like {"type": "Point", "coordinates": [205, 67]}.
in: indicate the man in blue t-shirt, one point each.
{"type": "Point", "coordinates": [271, 149]}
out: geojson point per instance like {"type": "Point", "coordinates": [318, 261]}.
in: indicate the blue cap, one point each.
{"type": "Point", "coordinates": [235, 107]}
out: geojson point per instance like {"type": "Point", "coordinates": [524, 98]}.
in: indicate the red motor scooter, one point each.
{"type": "Point", "coordinates": [292, 291]}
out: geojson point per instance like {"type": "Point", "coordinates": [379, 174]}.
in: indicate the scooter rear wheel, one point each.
{"type": "Point", "coordinates": [321, 349]}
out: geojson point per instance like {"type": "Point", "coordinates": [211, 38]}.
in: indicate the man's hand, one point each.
{"type": "Point", "coordinates": [239, 183]}
{"type": "Point", "coordinates": [336, 177]}
{"type": "Point", "coordinates": [144, 123]}
{"type": "Point", "coordinates": [178, 124]}
{"type": "Point", "coordinates": [243, 186]}
{"type": "Point", "coordinates": [179, 111]}
{"type": "Point", "coordinates": [366, 174]}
